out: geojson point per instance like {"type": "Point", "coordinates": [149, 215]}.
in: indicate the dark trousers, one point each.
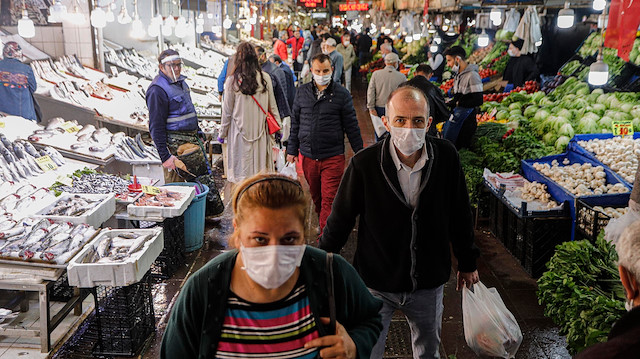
{"type": "Point", "coordinates": [324, 178]}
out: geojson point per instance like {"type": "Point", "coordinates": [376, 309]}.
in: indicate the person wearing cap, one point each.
{"type": "Point", "coordinates": [382, 84]}
{"type": "Point", "coordinates": [17, 84]}
{"type": "Point", "coordinates": [173, 125]}
{"type": "Point", "coordinates": [520, 68]}
{"type": "Point", "coordinates": [337, 61]}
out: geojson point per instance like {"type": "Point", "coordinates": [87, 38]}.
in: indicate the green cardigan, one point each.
{"type": "Point", "coordinates": [196, 319]}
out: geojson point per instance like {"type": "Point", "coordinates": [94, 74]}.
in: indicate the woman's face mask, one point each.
{"type": "Point", "coordinates": [271, 266]}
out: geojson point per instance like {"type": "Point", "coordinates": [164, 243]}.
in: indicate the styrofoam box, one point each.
{"type": "Point", "coordinates": [165, 212]}
{"type": "Point", "coordinates": [126, 272]}
{"type": "Point", "coordinates": [94, 217]}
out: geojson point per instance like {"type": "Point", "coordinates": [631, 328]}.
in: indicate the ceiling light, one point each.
{"type": "Point", "coordinates": [57, 12]}
{"type": "Point", "coordinates": [599, 5]}
{"type": "Point", "coordinates": [566, 17]}
{"type": "Point", "coordinates": [483, 39]}
{"type": "Point", "coordinates": [98, 18]}
{"type": "Point", "coordinates": [416, 36]}
{"type": "Point", "coordinates": [598, 73]}
{"type": "Point", "coordinates": [408, 39]}
{"type": "Point", "coordinates": [25, 25]}
{"type": "Point", "coordinates": [124, 17]}
{"type": "Point", "coordinates": [109, 16]}
{"type": "Point", "coordinates": [437, 39]}
{"type": "Point", "coordinates": [227, 22]}
{"type": "Point", "coordinates": [433, 48]}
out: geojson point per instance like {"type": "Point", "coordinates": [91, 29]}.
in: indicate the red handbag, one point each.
{"type": "Point", "coordinates": [272, 123]}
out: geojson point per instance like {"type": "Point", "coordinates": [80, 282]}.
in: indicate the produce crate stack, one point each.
{"type": "Point", "coordinates": [173, 254]}
{"type": "Point", "coordinates": [589, 221]}
{"type": "Point", "coordinates": [124, 317]}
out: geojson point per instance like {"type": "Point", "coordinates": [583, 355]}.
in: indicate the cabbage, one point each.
{"type": "Point", "coordinates": [626, 107]}
{"type": "Point", "coordinates": [565, 113]}
{"type": "Point", "coordinates": [591, 115]}
{"type": "Point", "coordinates": [635, 111]}
{"type": "Point", "coordinates": [597, 91]}
{"type": "Point", "coordinates": [582, 90]}
{"type": "Point", "coordinates": [599, 109]}
{"type": "Point", "coordinates": [559, 122]}
{"type": "Point", "coordinates": [515, 112]}
{"type": "Point", "coordinates": [566, 130]}
{"type": "Point", "coordinates": [516, 118]}
{"type": "Point", "coordinates": [561, 143]}
{"type": "Point", "coordinates": [530, 111]}
{"type": "Point", "coordinates": [588, 125]}
{"type": "Point", "coordinates": [636, 124]}
{"type": "Point", "coordinates": [605, 122]}
{"type": "Point", "coordinates": [602, 99]}
{"type": "Point", "coordinates": [541, 115]}
{"type": "Point", "coordinates": [550, 138]}
{"type": "Point", "coordinates": [502, 115]}
{"type": "Point", "coordinates": [614, 102]}
{"type": "Point", "coordinates": [515, 106]}
{"type": "Point", "coordinates": [536, 97]}
{"type": "Point", "coordinates": [545, 101]}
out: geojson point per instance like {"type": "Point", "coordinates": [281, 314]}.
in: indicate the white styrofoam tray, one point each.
{"type": "Point", "coordinates": [165, 212]}
{"type": "Point", "coordinates": [129, 271]}
{"type": "Point", "coordinates": [94, 217]}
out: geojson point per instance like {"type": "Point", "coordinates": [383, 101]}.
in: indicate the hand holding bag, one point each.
{"type": "Point", "coordinates": [272, 123]}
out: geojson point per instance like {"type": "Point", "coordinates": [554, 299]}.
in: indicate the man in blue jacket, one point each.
{"type": "Point", "coordinates": [322, 113]}
{"type": "Point", "coordinates": [17, 84]}
{"type": "Point", "coordinates": [173, 125]}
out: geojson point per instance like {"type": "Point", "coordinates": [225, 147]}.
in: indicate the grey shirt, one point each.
{"type": "Point", "coordinates": [383, 82]}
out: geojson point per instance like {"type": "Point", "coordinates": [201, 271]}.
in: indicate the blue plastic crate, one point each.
{"type": "Point", "coordinates": [561, 194]}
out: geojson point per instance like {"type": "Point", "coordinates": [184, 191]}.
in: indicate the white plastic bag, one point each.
{"type": "Point", "coordinates": [489, 327]}
{"type": "Point", "coordinates": [616, 226]}
{"type": "Point", "coordinates": [280, 157]}
{"type": "Point", "coordinates": [289, 170]}
{"type": "Point", "coordinates": [305, 70]}
{"type": "Point", "coordinates": [378, 125]}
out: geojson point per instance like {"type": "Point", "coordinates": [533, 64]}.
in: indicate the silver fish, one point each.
{"type": "Point", "coordinates": [86, 130]}
{"type": "Point", "coordinates": [138, 244]}
{"type": "Point", "coordinates": [25, 202]}
{"type": "Point", "coordinates": [28, 147]}
{"type": "Point", "coordinates": [26, 189]}
{"type": "Point", "coordinates": [17, 230]}
{"type": "Point", "coordinates": [103, 247]}
{"type": "Point", "coordinates": [55, 155]}
{"type": "Point", "coordinates": [55, 123]}
{"type": "Point", "coordinates": [36, 236]}
{"type": "Point", "coordinates": [6, 225]}
{"type": "Point", "coordinates": [9, 202]}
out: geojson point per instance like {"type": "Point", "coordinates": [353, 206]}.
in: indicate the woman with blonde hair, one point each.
{"type": "Point", "coordinates": [248, 97]}
{"type": "Point", "coordinates": [271, 295]}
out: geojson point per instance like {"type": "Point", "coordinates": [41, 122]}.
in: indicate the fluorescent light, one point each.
{"type": "Point", "coordinates": [483, 39]}
{"type": "Point", "coordinates": [25, 26]}
{"type": "Point", "coordinates": [566, 17]}
{"type": "Point", "coordinates": [598, 73]}
{"type": "Point", "coordinates": [98, 18]}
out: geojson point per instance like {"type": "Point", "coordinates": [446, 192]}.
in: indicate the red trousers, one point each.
{"type": "Point", "coordinates": [324, 178]}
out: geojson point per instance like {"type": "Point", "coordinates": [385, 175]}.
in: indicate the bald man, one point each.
{"type": "Point", "coordinates": [410, 193]}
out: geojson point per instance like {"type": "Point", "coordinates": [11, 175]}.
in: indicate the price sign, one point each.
{"type": "Point", "coordinates": [1, 124]}
{"type": "Point", "coordinates": [65, 180]}
{"type": "Point", "coordinates": [46, 163]}
{"type": "Point", "coordinates": [622, 128]}
{"type": "Point", "coordinates": [150, 190]}
{"type": "Point", "coordinates": [70, 127]}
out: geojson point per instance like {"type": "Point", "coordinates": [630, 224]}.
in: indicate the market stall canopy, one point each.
{"type": "Point", "coordinates": [28, 50]}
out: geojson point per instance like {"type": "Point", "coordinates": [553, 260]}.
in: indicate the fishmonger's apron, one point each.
{"type": "Point", "coordinates": [451, 128]}
{"type": "Point", "coordinates": [198, 169]}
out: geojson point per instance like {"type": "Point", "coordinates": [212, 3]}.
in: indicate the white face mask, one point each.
{"type": "Point", "coordinates": [271, 266]}
{"type": "Point", "coordinates": [511, 53]}
{"type": "Point", "coordinates": [322, 79]}
{"type": "Point", "coordinates": [346, 43]}
{"type": "Point", "coordinates": [408, 140]}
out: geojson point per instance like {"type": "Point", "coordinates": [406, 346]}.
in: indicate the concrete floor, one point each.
{"type": "Point", "coordinates": [496, 266]}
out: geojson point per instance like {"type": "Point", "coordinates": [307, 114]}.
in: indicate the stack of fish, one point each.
{"type": "Point", "coordinates": [16, 197]}
{"type": "Point", "coordinates": [116, 249]}
{"type": "Point", "coordinates": [98, 183]}
{"type": "Point", "coordinates": [42, 239]}
{"type": "Point", "coordinates": [88, 137]}
{"type": "Point", "coordinates": [18, 159]}
{"type": "Point", "coordinates": [72, 206]}
{"type": "Point", "coordinates": [130, 149]}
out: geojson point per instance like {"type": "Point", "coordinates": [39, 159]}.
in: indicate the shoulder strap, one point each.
{"type": "Point", "coordinates": [258, 103]}
{"type": "Point", "coordinates": [330, 291]}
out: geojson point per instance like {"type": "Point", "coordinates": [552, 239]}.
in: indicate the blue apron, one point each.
{"type": "Point", "coordinates": [451, 128]}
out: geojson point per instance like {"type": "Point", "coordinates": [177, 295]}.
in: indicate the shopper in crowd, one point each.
{"type": "Point", "coordinates": [17, 84]}
{"type": "Point", "coordinates": [436, 62]}
{"type": "Point", "coordinates": [323, 113]}
{"type": "Point", "coordinates": [624, 337]}
{"type": "Point", "coordinates": [278, 81]}
{"type": "Point", "coordinates": [382, 83]}
{"type": "Point", "coordinates": [520, 68]}
{"type": "Point", "coordinates": [280, 47]}
{"type": "Point", "coordinates": [275, 33]}
{"type": "Point", "coordinates": [269, 295]}
{"type": "Point", "coordinates": [410, 195]}
{"type": "Point", "coordinates": [297, 43]}
{"type": "Point", "coordinates": [364, 47]}
{"type": "Point", "coordinates": [291, 77]}
{"type": "Point", "coordinates": [173, 125]}
{"type": "Point", "coordinates": [337, 61]}
{"type": "Point", "coordinates": [249, 93]}
{"type": "Point", "coordinates": [345, 48]}
{"type": "Point", "coordinates": [438, 110]}
{"type": "Point", "coordinates": [317, 45]}
{"type": "Point", "coordinates": [467, 98]}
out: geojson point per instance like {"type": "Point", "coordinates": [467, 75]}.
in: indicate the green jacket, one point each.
{"type": "Point", "coordinates": [348, 54]}
{"type": "Point", "coordinates": [196, 319]}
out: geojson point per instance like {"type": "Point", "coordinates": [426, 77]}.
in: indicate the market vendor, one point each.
{"type": "Point", "coordinates": [17, 84]}
{"type": "Point", "coordinates": [520, 68]}
{"type": "Point", "coordinates": [467, 98]}
{"type": "Point", "coordinates": [173, 125]}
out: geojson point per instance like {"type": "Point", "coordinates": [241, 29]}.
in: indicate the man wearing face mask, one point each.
{"type": "Point", "coordinates": [410, 195]}
{"type": "Point", "coordinates": [520, 68]}
{"type": "Point", "coordinates": [382, 83]}
{"type": "Point", "coordinates": [467, 98]}
{"type": "Point", "coordinates": [345, 48]}
{"type": "Point", "coordinates": [17, 84]}
{"type": "Point", "coordinates": [337, 62]}
{"type": "Point", "coordinates": [322, 113]}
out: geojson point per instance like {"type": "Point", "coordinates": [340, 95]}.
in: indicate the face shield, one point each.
{"type": "Point", "coordinates": [172, 62]}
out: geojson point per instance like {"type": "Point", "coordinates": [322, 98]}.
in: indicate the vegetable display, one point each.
{"type": "Point", "coordinates": [581, 179]}
{"type": "Point", "coordinates": [619, 154]}
{"type": "Point", "coordinates": [537, 191]}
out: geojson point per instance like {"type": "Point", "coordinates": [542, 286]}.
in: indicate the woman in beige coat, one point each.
{"type": "Point", "coordinates": [244, 126]}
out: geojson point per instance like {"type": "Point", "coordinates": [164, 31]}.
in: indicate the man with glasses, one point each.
{"type": "Point", "coordinates": [173, 125]}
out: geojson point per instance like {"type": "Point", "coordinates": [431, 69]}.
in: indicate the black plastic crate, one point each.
{"type": "Point", "coordinates": [589, 222]}
{"type": "Point", "coordinates": [539, 239]}
{"type": "Point", "coordinates": [61, 291]}
{"type": "Point", "coordinates": [173, 254]}
{"type": "Point", "coordinates": [124, 318]}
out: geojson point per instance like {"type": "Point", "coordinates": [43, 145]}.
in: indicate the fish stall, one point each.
{"type": "Point", "coordinates": [59, 233]}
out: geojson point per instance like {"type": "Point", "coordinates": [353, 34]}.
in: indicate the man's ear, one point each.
{"type": "Point", "coordinates": [385, 122]}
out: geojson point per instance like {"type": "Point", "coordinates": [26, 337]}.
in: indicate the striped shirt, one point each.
{"type": "Point", "coordinates": [268, 330]}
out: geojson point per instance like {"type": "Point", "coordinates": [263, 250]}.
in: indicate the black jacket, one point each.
{"type": "Point", "coordinates": [364, 44]}
{"type": "Point", "coordinates": [400, 248]}
{"type": "Point", "coordinates": [437, 107]}
{"type": "Point", "coordinates": [279, 81]}
{"type": "Point", "coordinates": [520, 70]}
{"type": "Point", "coordinates": [623, 341]}
{"type": "Point", "coordinates": [318, 126]}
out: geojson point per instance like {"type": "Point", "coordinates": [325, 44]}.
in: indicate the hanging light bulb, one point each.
{"type": "Point", "coordinates": [247, 27]}
{"type": "Point", "coordinates": [538, 43]}
{"type": "Point", "coordinates": [495, 14]}
{"type": "Point", "coordinates": [25, 25]}
{"type": "Point", "coordinates": [598, 72]}
{"type": "Point", "coordinates": [170, 21]}
{"type": "Point", "coordinates": [181, 27]}
{"type": "Point", "coordinates": [227, 22]}
{"type": "Point", "coordinates": [483, 39]}
{"type": "Point", "coordinates": [124, 17]}
{"type": "Point", "coordinates": [137, 28]}
{"type": "Point", "coordinates": [167, 30]}
{"type": "Point", "coordinates": [408, 39]}
{"type": "Point", "coordinates": [432, 29]}
{"type": "Point", "coordinates": [199, 28]}
{"type": "Point", "coordinates": [57, 12]}
{"type": "Point", "coordinates": [433, 48]}
{"type": "Point", "coordinates": [76, 17]}
{"type": "Point", "coordinates": [387, 31]}
{"type": "Point", "coordinates": [598, 5]}
{"type": "Point", "coordinates": [437, 39]}
{"type": "Point", "coordinates": [98, 18]}
{"type": "Point", "coordinates": [451, 32]}
{"type": "Point", "coordinates": [253, 20]}
{"type": "Point", "coordinates": [566, 17]}
{"type": "Point", "coordinates": [154, 29]}
{"type": "Point", "coordinates": [416, 36]}
{"type": "Point", "coordinates": [109, 16]}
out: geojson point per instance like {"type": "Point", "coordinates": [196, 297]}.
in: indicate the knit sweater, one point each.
{"type": "Point", "coordinates": [196, 320]}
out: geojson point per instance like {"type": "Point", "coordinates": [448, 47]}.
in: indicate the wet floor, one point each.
{"type": "Point", "coordinates": [497, 268]}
